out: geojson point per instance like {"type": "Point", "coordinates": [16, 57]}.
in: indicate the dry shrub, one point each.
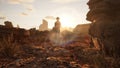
{"type": "Point", "coordinates": [89, 56]}
{"type": "Point", "coordinates": [93, 57]}
{"type": "Point", "coordinates": [9, 49]}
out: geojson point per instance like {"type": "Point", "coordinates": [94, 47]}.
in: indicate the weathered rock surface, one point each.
{"type": "Point", "coordinates": [105, 27]}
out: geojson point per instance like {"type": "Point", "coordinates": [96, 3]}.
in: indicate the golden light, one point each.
{"type": "Point", "coordinates": [69, 17]}
{"type": "Point", "coordinates": [67, 21]}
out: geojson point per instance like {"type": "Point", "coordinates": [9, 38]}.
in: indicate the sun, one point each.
{"type": "Point", "coordinates": [67, 21]}
{"type": "Point", "coordinates": [69, 17]}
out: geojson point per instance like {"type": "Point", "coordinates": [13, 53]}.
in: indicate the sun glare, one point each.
{"type": "Point", "coordinates": [67, 21]}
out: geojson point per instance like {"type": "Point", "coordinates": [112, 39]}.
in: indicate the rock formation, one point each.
{"type": "Point", "coordinates": [105, 27]}
{"type": "Point", "coordinates": [8, 24]}
{"type": "Point", "coordinates": [82, 29]}
{"type": "Point", "coordinates": [55, 36]}
{"type": "Point", "coordinates": [56, 28]}
{"type": "Point", "coordinates": [43, 26]}
{"type": "Point", "coordinates": [14, 34]}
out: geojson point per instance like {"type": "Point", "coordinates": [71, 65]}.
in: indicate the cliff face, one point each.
{"type": "Point", "coordinates": [105, 27]}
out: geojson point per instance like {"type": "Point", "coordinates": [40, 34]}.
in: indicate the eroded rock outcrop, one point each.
{"type": "Point", "coordinates": [105, 27]}
{"type": "Point", "coordinates": [7, 31]}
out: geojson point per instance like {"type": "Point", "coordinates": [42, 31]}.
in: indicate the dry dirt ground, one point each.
{"type": "Point", "coordinates": [46, 55]}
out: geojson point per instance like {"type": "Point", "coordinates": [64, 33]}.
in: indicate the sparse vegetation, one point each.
{"type": "Point", "coordinates": [68, 49]}
{"type": "Point", "coordinates": [8, 48]}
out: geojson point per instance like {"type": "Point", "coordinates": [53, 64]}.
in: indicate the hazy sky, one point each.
{"type": "Point", "coordinates": [29, 13]}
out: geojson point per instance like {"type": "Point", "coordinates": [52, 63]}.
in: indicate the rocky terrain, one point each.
{"type": "Point", "coordinates": [20, 48]}
{"type": "Point", "coordinates": [34, 49]}
{"type": "Point", "coordinates": [44, 55]}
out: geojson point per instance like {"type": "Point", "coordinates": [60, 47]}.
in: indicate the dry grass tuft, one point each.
{"type": "Point", "coordinates": [8, 48]}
